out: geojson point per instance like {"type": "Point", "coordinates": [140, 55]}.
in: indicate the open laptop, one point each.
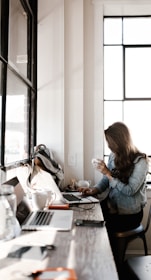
{"type": "Point", "coordinates": [69, 197]}
{"type": "Point", "coordinates": [78, 198]}
{"type": "Point", "coordinates": [60, 220]}
{"type": "Point", "coordinates": [45, 181]}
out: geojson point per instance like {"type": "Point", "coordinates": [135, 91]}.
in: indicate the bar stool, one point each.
{"type": "Point", "coordinates": [140, 267]}
{"type": "Point", "coordinates": [123, 238]}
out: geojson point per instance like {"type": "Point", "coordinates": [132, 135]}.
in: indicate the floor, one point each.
{"type": "Point", "coordinates": [125, 273]}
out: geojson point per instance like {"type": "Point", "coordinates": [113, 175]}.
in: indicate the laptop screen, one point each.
{"type": "Point", "coordinates": [18, 190]}
{"type": "Point", "coordinates": [23, 207]}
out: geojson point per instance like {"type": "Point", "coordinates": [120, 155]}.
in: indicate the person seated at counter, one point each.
{"type": "Point", "coordinates": [125, 178]}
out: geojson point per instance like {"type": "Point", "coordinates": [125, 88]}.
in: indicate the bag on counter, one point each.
{"type": "Point", "coordinates": [50, 164]}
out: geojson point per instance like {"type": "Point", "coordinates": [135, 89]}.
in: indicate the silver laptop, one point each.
{"type": "Point", "coordinates": [60, 220]}
{"type": "Point", "coordinates": [78, 198]}
{"type": "Point", "coordinates": [70, 197]}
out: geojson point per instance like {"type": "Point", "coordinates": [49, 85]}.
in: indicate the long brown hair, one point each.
{"type": "Point", "coordinates": [120, 142]}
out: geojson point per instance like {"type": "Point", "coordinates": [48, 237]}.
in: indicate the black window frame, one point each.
{"type": "Point", "coordinates": [30, 6]}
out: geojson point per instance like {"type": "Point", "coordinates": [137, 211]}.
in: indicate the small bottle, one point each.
{"type": "Point", "coordinates": [2, 218]}
{"type": "Point", "coordinates": [8, 192]}
{"type": "Point", "coordinates": [8, 212]}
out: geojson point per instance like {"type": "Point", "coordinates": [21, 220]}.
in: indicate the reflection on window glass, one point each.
{"type": "Point", "coordinates": [16, 120]}
{"type": "Point", "coordinates": [112, 31]}
{"type": "Point", "coordinates": [17, 54]}
{"type": "Point", "coordinates": [137, 71]}
{"type": "Point", "coordinates": [113, 72]}
{"type": "Point", "coordinates": [137, 30]}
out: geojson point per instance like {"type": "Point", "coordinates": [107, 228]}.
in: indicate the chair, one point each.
{"type": "Point", "coordinates": [139, 268]}
{"type": "Point", "coordinates": [123, 238]}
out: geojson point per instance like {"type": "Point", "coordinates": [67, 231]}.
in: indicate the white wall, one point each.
{"type": "Point", "coordinates": [70, 115]}
{"type": "Point", "coordinates": [70, 79]}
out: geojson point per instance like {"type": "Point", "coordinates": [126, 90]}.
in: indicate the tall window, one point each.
{"type": "Point", "coordinates": [18, 80]}
{"type": "Point", "coordinates": [127, 76]}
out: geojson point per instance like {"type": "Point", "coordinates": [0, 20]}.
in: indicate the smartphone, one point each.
{"type": "Point", "coordinates": [89, 223]}
{"type": "Point", "coordinates": [28, 252]}
{"type": "Point", "coordinates": [55, 273]}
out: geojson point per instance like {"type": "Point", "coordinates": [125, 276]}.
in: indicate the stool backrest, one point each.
{"type": "Point", "coordinates": [148, 219]}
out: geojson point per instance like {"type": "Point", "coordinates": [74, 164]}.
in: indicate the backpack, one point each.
{"type": "Point", "coordinates": [50, 164]}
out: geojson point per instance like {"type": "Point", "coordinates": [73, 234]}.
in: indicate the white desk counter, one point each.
{"type": "Point", "coordinates": [85, 249]}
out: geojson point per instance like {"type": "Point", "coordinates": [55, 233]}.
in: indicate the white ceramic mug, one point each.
{"type": "Point", "coordinates": [83, 183]}
{"type": "Point", "coordinates": [51, 196]}
{"type": "Point", "coordinates": [96, 162]}
{"type": "Point", "coordinates": [42, 199]}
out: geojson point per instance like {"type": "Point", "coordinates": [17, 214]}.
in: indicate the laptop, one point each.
{"type": "Point", "coordinates": [78, 198]}
{"type": "Point", "coordinates": [62, 197]}
{"type": "Point", "coordinates": [69, 197]}
{"type": "Point", "coordinates": [60, 220]}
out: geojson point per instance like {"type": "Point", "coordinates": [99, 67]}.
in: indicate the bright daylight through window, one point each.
{"type": "Point", "coordinates": [127, 82]}
{"type": "Point", "coordinates": [127, 70]}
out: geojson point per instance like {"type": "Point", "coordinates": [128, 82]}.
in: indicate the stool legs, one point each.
{"type": "Point", "coordinates": [145, 244]}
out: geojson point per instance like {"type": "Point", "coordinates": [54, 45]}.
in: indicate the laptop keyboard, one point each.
{"type": "Point", "coordinates": [41, 218]}
{"type": "Point", "coordinates": [71, 197]}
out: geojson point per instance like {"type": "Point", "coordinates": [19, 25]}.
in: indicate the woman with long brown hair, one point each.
{"type": "Point", "coordinates": [125, 179]}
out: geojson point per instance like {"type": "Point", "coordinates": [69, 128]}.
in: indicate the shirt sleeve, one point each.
{"type": "Point", "coordinates": [136, 179]}
{"type": "Point", "coordinates": [103, 184]}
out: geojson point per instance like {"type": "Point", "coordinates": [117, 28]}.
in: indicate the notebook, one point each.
{"type": "Point", "coordinates": [60, 220]}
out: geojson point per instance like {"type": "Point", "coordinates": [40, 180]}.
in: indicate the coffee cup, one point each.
{"type": "Point", "coordinates": [42, 199]}
{"type": "Point", "coordinates": [51, 196]}
{"type": "Point", "coordinates": [83, 183]}
{"type": "Point", "coordinates": [96, 162]}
